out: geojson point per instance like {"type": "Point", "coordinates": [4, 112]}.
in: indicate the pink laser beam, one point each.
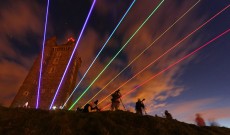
{"type": "Point", "coordinates": [169, 50]}
{"type": "Point", "coordinates": [175, 63]}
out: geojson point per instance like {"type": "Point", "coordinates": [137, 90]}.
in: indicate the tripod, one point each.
{"type": "Point", "coordinates": [122, 104]}
{"type": "Point", "coordinates": [144, 106]}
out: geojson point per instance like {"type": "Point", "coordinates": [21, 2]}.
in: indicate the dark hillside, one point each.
{"type": "Point", "coordinates": [21, 121]}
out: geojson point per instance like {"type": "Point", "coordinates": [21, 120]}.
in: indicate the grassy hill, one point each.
{"type": "Point", "coordinates": [19, 121]}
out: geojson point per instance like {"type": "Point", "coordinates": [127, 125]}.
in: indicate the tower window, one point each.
{"type": "Point", "coordinates": [71, 78]}
{"type": "Point", "coordinates": [43, 91]}
{"type": "Point", "coordinates": [25, 93]}
{"type": "Point", "coordinates": [56, 60]}
{"type": "Point", "coordinates": [35, 82]}
{"type": "Point", "coordinates": [58, 54]}
{"type": "Point", "coordinates": [52, 91]}
{"type": "Point", "coordinates": [52, 69]}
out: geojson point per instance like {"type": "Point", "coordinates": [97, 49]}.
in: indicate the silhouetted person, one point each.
{"type": "Point", "coordinates": [213, 123]}
{"type": "Point", "coordinates": [88, 108]}
{"type": "Point", "coordinates": [199, 120]}
{"type": "Point", "coordinates": [139, 106]}
{"type": "Point", "coordinates": [95, 107]}
{"type": "Point", "coordinates": [115, 100]}
{"type": "Point", "coordinates": [168, 115]}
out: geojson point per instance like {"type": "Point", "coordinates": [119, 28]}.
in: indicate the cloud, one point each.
{"type": "Point", "coordinates": [15, 24]}
{"type": "Point", "coordinates": [18, 21]}
{"type": "Point", "coordinates": [157, 90]}
{"type": "Point", "coordinates": [11, 77]}
{"type": "Point", "coordinates": [164, 85]}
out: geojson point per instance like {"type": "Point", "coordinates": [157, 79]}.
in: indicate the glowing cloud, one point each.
{"type": "Point", "coordinates": [175, 63]}
{"type": "Point", "coordinates": [142, 52]}
{"type": "Point", "coordinates": [173, 47]}
{"type": "Point", "coordinates": [100, 52]}
{"type": "Point", "coordinates": [117, 54]}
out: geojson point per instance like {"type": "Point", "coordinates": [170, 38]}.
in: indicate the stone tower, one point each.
{"type": "Point", "coordinates": [55, 60]}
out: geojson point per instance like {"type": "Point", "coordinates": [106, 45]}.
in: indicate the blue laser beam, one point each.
{"type": "Point", "coordinates": [99, 52]}
{"type": "Point", "coordinates": [117, 54]}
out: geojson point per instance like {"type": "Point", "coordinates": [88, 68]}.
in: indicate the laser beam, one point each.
{"type": "Point", "coordinates": [76, 45]}
{"type": "Point", "coordinates": [168, 51]}
{"type": "Point", "coordinates": [142, 52]}
{"type": "Point", "coordinates": [100, 52]}
{"type": "Point", "coordinates": [42, 56]}
{"type": "Point", "coordinates": [175, 63]}
{"type": "Point", "coordinates": [117, 54]}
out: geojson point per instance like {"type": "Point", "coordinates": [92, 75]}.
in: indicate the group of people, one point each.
{"type": "Point", "coordinates": [89, 107]}
{"type": "Point", "coordinates": [139, 107]}
{"type": "Point", "coordinates": [115, 103]}
{"type": "Point", "coordinates": [116, 100]}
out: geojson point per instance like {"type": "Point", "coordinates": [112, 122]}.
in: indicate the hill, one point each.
{"type": "Point", "coordinates": [20, 121]}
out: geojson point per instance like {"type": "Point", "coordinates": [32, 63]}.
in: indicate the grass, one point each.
{"type": "Point", "coordinates": [20, 121]}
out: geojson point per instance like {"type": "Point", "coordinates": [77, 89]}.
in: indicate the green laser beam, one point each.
{"type": "Point", "coordinates": [143, 51]}
{"type": "Point", "coordinates": [116, 55]}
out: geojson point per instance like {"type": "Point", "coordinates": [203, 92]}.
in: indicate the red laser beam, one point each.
{"type": "Point", "coordinates": [175, 63]}
{"type": "Point", "coordinates": [169, 50]}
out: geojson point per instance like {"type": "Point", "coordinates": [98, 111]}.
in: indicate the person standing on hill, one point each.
{"type": "Point", "coordinates": [168, 115]}
{"type": "Point", "coordinates": [199, 120]}
{"type": "Point", "coordinates": [115, 100]}
{"type": "Point", "coordinates": [139, 106]}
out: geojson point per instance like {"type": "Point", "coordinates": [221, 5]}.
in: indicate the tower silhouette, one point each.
{"type": "Point", "coordinates": [55, 60]}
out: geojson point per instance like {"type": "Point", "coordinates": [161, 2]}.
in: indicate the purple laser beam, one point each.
{"type": "Point", "coordinates": [83, 28]}
{"type": "Point", "coordinates": [43, 47]}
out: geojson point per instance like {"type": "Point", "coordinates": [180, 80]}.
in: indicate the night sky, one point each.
{"type": "Point", "coordinates": [200, 84]}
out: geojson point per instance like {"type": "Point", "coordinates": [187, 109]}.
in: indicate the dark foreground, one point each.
{"type": "Point", "coordinates": [21, 121]}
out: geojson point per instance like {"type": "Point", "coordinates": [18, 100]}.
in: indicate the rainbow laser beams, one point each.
{"type": "Point", "coordinates": [168, 50]}
{"type": "Point", "coordinates": [175, 63]}
{"type": "Point", "coordinates": [117, 54]}
{"type": "Point", "coordinates": [143, 52]}
{"type": "Point", "coordinates": [83, 28]}
{"type": "Point", "coordinates": [42, 56]}
{"type": "Point", "coordinates": [100, 52]}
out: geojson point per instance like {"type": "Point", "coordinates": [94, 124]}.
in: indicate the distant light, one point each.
{"type": "Point", "coordinates": [71, 39]}
{"type": "Point", "coordinates": [54, 107]}
{"type": "Point", "coordinates": [26, 105]}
